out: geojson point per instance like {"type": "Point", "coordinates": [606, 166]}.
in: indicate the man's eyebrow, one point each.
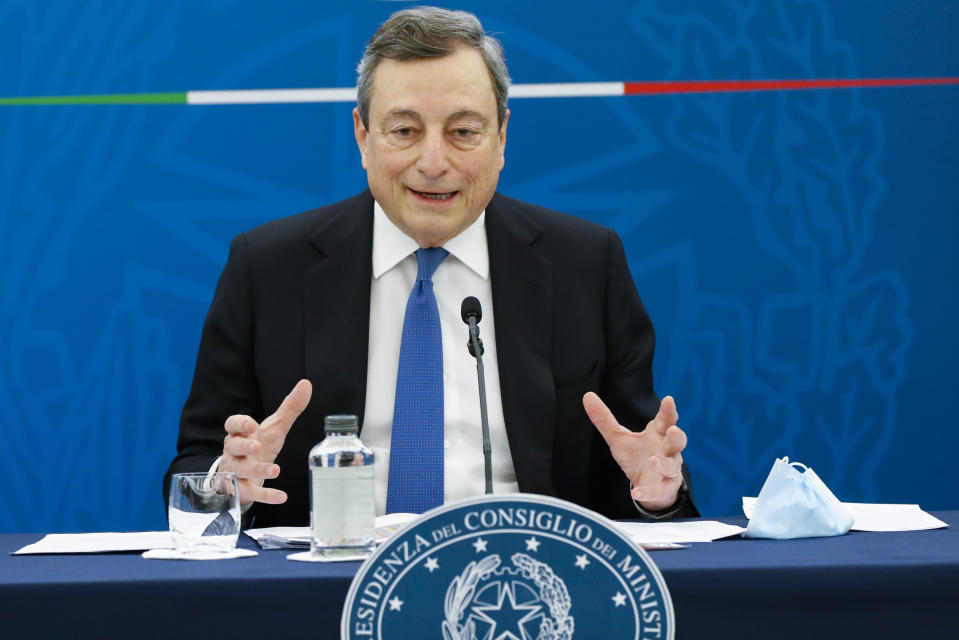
{"type": "Point", "coordinates": [463, 114]}
{"type": "Point", "coordinates": [404, 113]}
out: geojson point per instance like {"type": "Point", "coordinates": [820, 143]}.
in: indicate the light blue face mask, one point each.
{"type": "Point", "coordinates": [794, 504]}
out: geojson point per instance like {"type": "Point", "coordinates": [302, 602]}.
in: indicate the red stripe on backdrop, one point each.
{"type": "Point", "coordinates": [716, 86]}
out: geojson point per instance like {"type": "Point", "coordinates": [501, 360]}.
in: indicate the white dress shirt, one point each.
{"type": "Point", "coordinates": [464, 272]}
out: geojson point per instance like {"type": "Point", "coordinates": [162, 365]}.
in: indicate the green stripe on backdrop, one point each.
{"type": "Point", "coordinates": [116, 98]}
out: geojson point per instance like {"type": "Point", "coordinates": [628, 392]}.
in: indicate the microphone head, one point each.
{"type": "Point", "coordinates": [471, 307]}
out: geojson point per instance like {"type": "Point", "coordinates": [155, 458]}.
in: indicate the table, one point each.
{"type": "Point", "coordinates": [862, 585]}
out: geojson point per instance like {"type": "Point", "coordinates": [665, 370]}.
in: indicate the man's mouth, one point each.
{"type": "Point", "coordinates": [434, 196]}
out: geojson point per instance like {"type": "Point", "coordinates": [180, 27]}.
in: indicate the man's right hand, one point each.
{"type": "Point", "coordinates": [249, 448]}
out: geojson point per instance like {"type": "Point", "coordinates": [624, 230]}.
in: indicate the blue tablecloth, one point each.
{"type": "Point", "coordinates": [862, 585]}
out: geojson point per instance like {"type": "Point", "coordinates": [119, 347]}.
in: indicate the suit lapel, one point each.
{"type": "Point", "coordinates": [337, 304]}
{"type": "Point", "coordinates": [522, 287]}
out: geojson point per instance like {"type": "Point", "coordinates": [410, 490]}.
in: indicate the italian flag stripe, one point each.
{"type": "Point", "coordinates": [541, 90]}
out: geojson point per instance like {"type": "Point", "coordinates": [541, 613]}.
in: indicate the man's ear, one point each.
{"type": "Point", "coordinates": [362, 135]}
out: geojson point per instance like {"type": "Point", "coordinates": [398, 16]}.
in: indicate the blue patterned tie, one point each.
{"type": "Point", "coordinates": [416, 449]}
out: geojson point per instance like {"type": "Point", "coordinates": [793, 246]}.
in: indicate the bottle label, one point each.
{"type": "Point", "coordinates": [343, 508]}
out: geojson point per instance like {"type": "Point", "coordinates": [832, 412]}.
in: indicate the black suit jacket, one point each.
{"type": "Point", "coordinates": [294, 302]}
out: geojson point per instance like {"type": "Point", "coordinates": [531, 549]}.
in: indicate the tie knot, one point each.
{"type": "Point", "coordinates": [428, 260]}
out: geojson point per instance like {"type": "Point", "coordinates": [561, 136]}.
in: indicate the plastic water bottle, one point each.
{"type": "Point", "coordinates": [342, 512]}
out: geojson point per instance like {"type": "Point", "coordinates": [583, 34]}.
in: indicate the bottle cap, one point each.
{"type": "Point", "coordinates": [342, 424]}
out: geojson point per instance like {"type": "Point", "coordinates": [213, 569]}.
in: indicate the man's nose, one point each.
{"type": "Point", "coordinates": [433, 161]}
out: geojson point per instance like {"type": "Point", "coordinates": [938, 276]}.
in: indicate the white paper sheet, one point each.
{"type": "Point", "coordinates": [280, 537]}
{"type": "Point", "coordinates": [173, 554]}
{"type": "Point", "coordinates": [307, 556]}
{"type": "Point", "coordinates": [99, 542]}
{"type": "Point", "coordinates": [879, 517]}
{"type": "Point", "coordinates": [678, 532]}
{"type": "Point", "coordinates": [299, 537]}
{"type": "Point", "coordinates": [651, 535]}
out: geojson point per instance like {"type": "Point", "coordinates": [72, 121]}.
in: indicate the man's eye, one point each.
{"type": "Point", "coordinates": [465, 136]}
{"type": "Point", "coordinates": [403, 132]}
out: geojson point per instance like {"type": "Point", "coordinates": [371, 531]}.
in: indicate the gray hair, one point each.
{"type": "Point", "coordinates": [429, 32]}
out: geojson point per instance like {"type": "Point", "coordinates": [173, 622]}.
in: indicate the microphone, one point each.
{"type": "Point", "coordinates": [471, 307]}
{"type": "Point", "coordinates": [472, 313]}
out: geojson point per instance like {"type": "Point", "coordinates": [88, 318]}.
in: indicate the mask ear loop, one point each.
{"type": "Point", "coordinates": [827, 494]}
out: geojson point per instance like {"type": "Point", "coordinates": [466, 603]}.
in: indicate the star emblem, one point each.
{"type": "Point", "coordinates": [619, 599]}
{"type": "Point", "coordinates": [509, 618]}
{"type": "Point", "coordinates": [431, 564]}
{"type": "Point", "coordinates": [479, 545]}
{"type": "Point", "coordinates": [582, 561]}
{"type": "Point", "coordinates": [532, 544]}
{"type": "Point", "coordinates": [396, 604]}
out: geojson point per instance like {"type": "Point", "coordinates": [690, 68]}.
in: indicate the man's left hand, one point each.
{"type": "Point", "coordinates": [652, 459]}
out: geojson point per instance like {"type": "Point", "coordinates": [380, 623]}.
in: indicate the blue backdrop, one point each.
{"type": "Point", "coordinates": [796, 250]}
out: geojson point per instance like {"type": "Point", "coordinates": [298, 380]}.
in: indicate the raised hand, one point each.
{"type": "Point", "coordinates": [249, 448]}
{"type": "Point", "coordinates": [652, 459]}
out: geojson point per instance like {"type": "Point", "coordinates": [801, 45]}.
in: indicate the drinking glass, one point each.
{"type": "Point", "coordinates": [204, 512]}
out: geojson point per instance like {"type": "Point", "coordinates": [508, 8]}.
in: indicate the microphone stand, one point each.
{"type": "Point", "coordinates": [476, 350]}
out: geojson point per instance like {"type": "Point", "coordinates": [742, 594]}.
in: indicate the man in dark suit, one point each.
{"type": "Point", "coordinates": [302, 299]}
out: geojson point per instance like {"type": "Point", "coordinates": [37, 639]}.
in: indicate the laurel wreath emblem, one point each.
{"type": "Point", "coordinates": [552, 591]}
{"type": "Point", "coordinates": [460, 593]}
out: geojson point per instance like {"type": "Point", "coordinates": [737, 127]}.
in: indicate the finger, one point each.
{"type": "Point", "coordinates": [666, 417]}
{"type": "Point", "coordinates": [253, 492]}
{"type": "Point", "coordinates": [292, 406]}
{"type": "Point", "coordinates": [239, 425]}
{"type": "Point", "coordinates": [675, 441]}
{"type": "Point", "coordinates": [241, 446]}
{"type": "Point", "coordinates": [601, 417]}
{"type": "Point", "coordinates": [248, 469]}
{"type": "Point", "coordinates": [666, 467]}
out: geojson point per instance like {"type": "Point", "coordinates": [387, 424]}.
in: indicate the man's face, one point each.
{"type": "Point", "coordinates": [433, 151]}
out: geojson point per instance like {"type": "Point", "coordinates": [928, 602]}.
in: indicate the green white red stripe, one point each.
{"type": "Point", "coordinates": [541, 90]}
{"type": "Point", "coordinates": [271, 96]}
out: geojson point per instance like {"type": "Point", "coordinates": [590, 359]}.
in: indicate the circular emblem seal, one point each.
{"type": "Point", "coordinates": [516, 567]}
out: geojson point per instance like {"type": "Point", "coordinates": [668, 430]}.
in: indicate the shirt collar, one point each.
{"type": "Point", "coordinates": [391, 245]}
